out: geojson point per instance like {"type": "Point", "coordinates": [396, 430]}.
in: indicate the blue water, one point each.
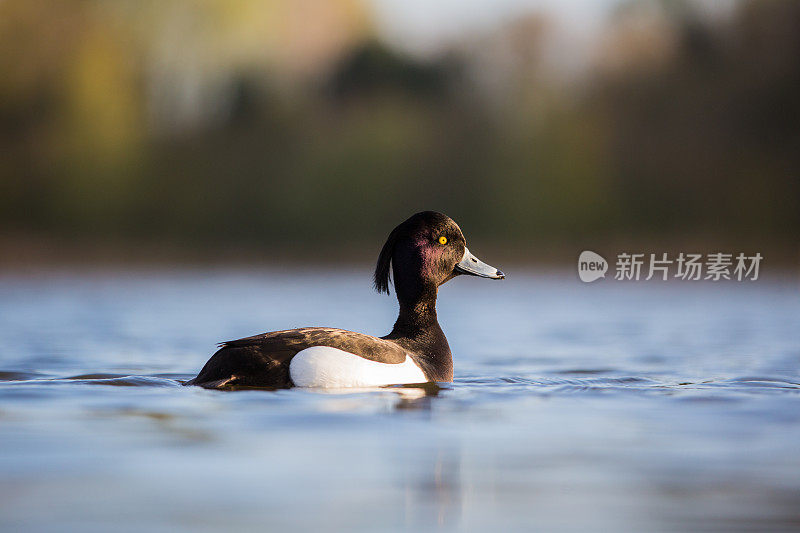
{"type": "Point", "coordinates": [604, 407]}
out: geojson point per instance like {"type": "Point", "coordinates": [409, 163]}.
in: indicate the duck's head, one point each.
{"type": "Point", "coordinates": [424, 252]}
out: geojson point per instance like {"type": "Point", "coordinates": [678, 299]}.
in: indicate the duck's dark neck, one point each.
{"type": "Point", "coordinates": [417, 330]}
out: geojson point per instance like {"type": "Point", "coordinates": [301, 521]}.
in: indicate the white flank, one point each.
{"type": "Point", "coordinates": [322, 366]}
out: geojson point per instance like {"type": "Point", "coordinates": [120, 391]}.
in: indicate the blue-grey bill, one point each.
{"type": "Point", "coordinates": [473, 266]}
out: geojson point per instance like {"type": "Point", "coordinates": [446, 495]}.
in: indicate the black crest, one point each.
{"type": "Point", "coordinates": [383, 268]}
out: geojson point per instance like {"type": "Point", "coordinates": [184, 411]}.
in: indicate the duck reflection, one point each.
{"type": "Point", "coordinates": [404, 397]}
{"type": "Point", "coordinates": [415, 397]}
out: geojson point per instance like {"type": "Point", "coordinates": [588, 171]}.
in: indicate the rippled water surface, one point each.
{"type": "Point", "coordinates": [603, 407]}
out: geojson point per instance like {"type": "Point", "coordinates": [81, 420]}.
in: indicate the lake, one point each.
{"type": "Point", "coordinates": [639, 406]}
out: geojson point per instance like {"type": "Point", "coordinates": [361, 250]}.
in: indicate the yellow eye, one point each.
{"type": "Point", "coordinates": [442, 240]}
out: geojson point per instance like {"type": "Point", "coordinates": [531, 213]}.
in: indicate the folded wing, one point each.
{"type": "Point", "coordinates": [263, 360]}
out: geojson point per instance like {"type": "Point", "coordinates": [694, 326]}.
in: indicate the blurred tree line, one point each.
{"type": "Point", "coordinates": [201, 124]}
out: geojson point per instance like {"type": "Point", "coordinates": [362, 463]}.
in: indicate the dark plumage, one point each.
{"type": "Point", "coordinates": [421, 254]}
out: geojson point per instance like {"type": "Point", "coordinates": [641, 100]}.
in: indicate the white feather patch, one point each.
{"type": "Point", "coordinates": [323, 366]}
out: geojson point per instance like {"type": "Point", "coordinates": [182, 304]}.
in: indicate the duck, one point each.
{"type": "Point", "coordinates": [419, 255]}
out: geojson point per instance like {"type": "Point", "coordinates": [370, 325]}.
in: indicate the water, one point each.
{"type": "Point", "coordinates": [603, 407]}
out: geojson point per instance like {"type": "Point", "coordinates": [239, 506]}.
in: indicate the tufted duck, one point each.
{"type": "Point", "coordinates": [423, 252]}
